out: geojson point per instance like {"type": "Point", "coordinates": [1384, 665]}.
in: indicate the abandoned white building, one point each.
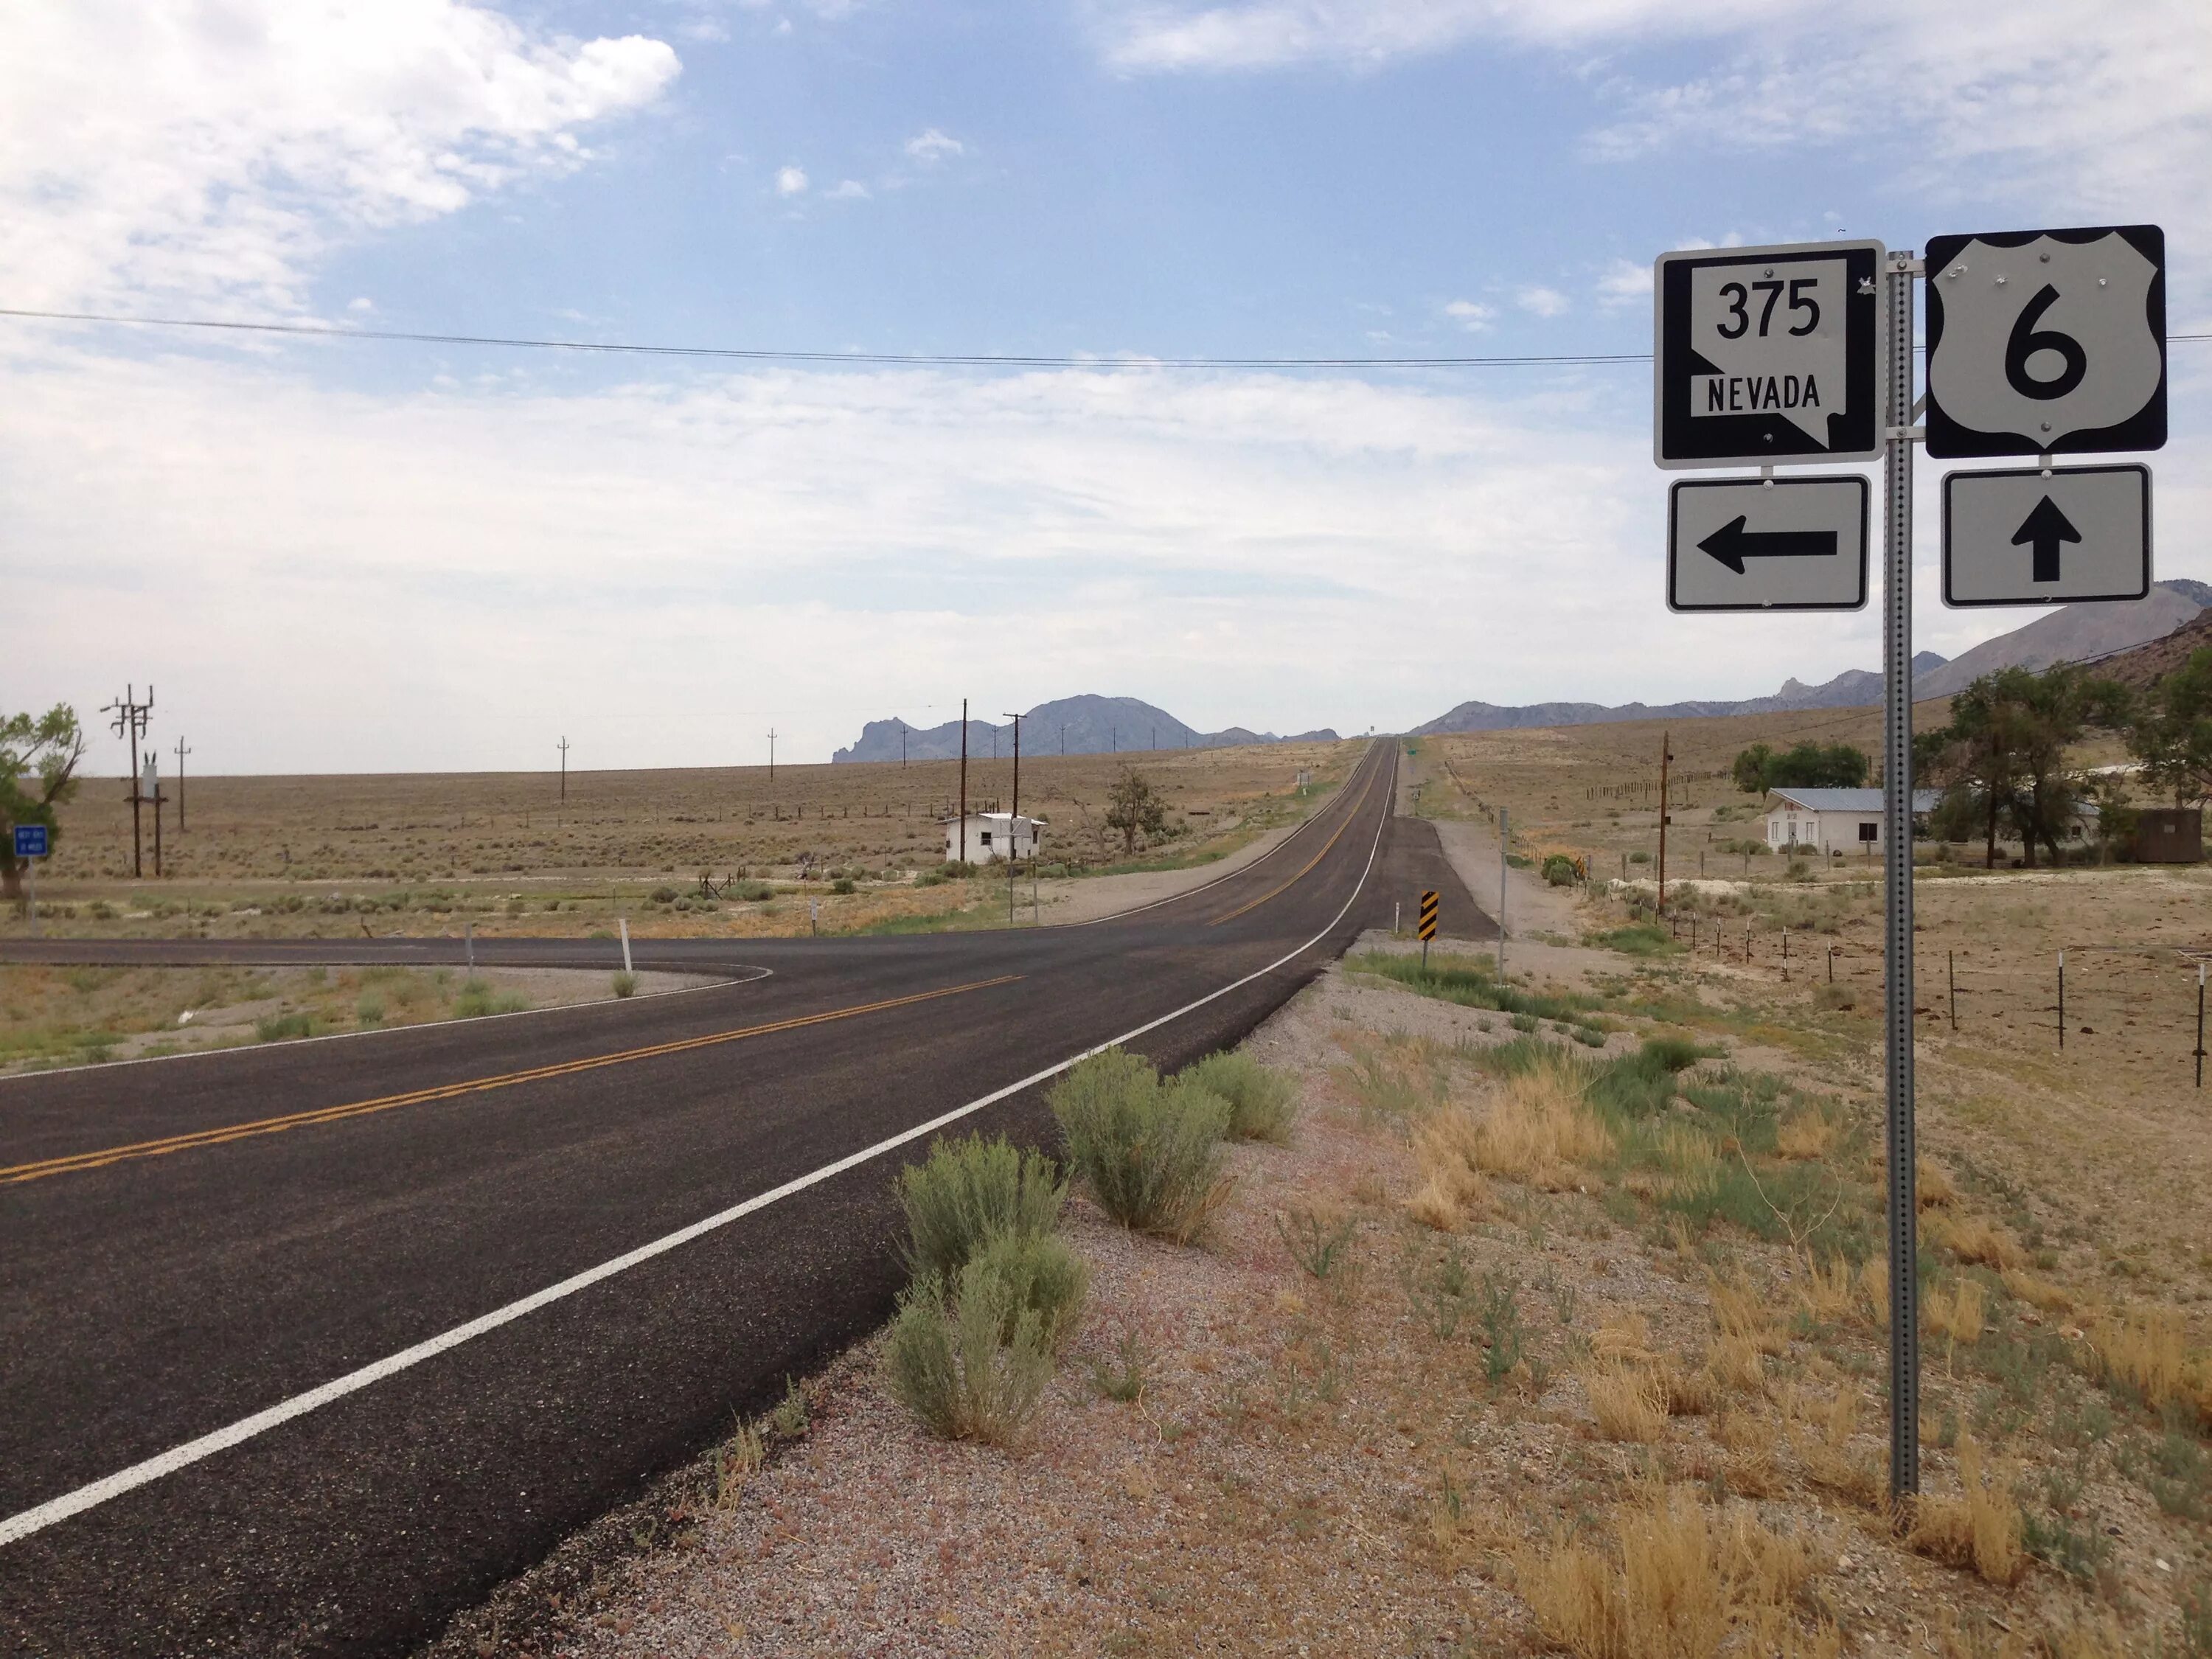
{"type": "Point", "coordinates": [994, 835]}
{"type": "Point", "coordinates": [1835, 820]}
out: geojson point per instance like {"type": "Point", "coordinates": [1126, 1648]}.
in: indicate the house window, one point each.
{"type": "Point", "coordinates": [1869, 829]}
{"type": "Point", "coordinates": [986, 838]}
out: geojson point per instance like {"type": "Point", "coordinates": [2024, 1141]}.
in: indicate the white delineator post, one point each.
{"type": "Point", "coordinates": [1897, 869]}
{"type": "Point", "coordinates": [1501, 892]}
{"type": "Point", "coordinates": [622, 922]}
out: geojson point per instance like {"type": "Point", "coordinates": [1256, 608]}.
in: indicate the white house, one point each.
{"type": "Point", "coordinates": [992, 836]}
{"type": "Point", "coordinates": [1834, 820]}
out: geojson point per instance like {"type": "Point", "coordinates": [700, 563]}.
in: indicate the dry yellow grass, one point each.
{"type": "Point", "coordinates": [1828, 1293]}
{"type": "Point", "coordinates": [1874, 1289]}
{"type": "Point", "coordinates": [1629, 1401]}
{"type": "Point", "coordinates": [1955, 1311]}
{"type": "Point", "coordinates": [1746, 1311]}
{"type": "Point", "coordinates": [1981, 1528]}
{"type": "Point", "coordinates": [1820, 1434]}
{"type": "Point", "coordinates": [1932, 1184]}
{"type": "Point", "coordinates": [1806, 1135]}
{"type": "Point", "coordinates": [1451, 1183]}
{"type": "Point", "coordinates": [2036, 1291]}
{"type": "Point", "coordinates": [1976, 1238]}
{"type": "Point", "coordinates": [1625, 1335]}
{"type": "Point", "coordinates": [1536, 1131]}
{"type": "Point", "coordinates": [2147, 1345]}
{"type": "Point", "coordinates": [1681, 1579]}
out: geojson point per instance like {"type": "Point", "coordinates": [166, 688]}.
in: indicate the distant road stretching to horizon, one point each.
{"type": "Point", "coordinates": [311, 1345]}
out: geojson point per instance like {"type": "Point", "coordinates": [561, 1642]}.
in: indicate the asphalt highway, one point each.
{"type": "Point", "coordinates": [304, 1347]}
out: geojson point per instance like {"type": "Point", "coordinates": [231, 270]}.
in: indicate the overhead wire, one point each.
{"type": "Point", "coordinates": [866, 359]}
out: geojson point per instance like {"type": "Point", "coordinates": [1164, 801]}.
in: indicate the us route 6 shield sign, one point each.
{"type": "Point", "coordinates": [1768, 355]}
{"type": "Point", "coordinates": [2049, 342]}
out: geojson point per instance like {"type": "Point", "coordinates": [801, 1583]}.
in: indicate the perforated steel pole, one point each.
{"type": "Point", "coordinates": [1897, 831]}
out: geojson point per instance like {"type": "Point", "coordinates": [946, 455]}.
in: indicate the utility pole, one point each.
{"type": "Point", "coordinates": [150, 785]}
{"type": "Point", "coordinates": [564, 770]}
{"type": "Point", "coordinates": [1666, 757]}
{"type": "Point", "coordinates": [130, 725]}
{"type": "Point", "coordinates": [1017, 719]}
{"type": "Point", "coordinates": [963, 779]}
{"type": "Point", "coordinates": [181, 752]}
{"type": "Point", "coordinates": [902, 746]}
{"type": "Point", "coordinates": [1063, 740]}
{"type": "Point", "coordinates": [771, 757]}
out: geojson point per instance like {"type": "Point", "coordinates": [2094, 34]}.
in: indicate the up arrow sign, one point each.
{"type": "Point", "coordinates": [1732, 543]}
{"type": "Point", "coordinates": [2088, 527]}
{"type": "Point", "coordinates": [2044, 529]}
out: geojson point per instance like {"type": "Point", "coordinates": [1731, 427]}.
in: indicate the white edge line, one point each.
{"type": "Point", "coordinates": [16, 1528]}
{"type": "Point", "coordinates": [722, 982]}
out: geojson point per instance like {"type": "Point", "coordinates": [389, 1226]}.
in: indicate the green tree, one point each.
{"type": "Point", "coordinates": [1818, 766]}
{"type": "Point", "coordinates": [39, 758]}
{"type": "Point", "coordinates": [1803, 766]}
{"type": "Point", "coordinates": [2170, 731]}
{"type": "Point", "coordinates": [2003, 758]}
{"type": "Point", "coordinates": [1135, 808]}
{"type": "Point", "coordinates": [1753, 770]}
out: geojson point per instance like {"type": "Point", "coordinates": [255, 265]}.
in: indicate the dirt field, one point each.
{"type": "Point", "coordinates": [318, 856]}
{"type": "Point", "coordinates": [52, 1017]}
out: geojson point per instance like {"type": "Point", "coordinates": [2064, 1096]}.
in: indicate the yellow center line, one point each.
{"type": "Point", "coordinates": [269, 1126]}
{"type": "Point", "coordinates": [1349, 819]}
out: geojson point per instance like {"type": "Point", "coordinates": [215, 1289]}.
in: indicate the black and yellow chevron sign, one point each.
{"type": "Point", "coordinates": [1429, 900]}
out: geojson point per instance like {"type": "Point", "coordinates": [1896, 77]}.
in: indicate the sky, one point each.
{"type": "Point", "coordinates": [374, 555]}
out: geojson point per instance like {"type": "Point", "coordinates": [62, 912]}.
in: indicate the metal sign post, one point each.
{"type": "Point", "coordinates": [34, 842]}
{"type": "Point", "coordinates": [1897, 829]}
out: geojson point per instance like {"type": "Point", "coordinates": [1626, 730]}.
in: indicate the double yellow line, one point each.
{"type": "Point", "coordinates": [1350, 817]}
{"type": "Point", "coordinates": [269, 1126]}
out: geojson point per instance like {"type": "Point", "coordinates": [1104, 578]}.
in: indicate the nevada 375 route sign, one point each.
{"type": "Point", "coordinates": [1768, 355]}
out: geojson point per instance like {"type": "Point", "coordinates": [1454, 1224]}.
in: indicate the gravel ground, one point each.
{"type": "Point", "coordinates": [1314, 1465]}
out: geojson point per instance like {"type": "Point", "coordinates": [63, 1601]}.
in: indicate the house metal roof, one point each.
{"type": "Point", "coordinates": [1851, 800]}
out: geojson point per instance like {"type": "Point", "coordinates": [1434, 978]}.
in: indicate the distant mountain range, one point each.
{"type": "Point", "coordinates": [2073, 633]}
{"type": "Point", "coordinates": [1070, 725]}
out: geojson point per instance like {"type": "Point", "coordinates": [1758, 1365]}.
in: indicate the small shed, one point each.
{"type": "Point", "coordinates": [1834, 820]}
{"type": "Point", "coordinates": [2170, 835]}
{"type": "Point", "coordinates": [994, 835]}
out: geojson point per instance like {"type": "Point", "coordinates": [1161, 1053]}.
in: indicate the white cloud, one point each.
{"type": "Point", "coordinates": [1623, 282]}
{"type": "Point", "coordinates": [171, 147]}
{"type": "Point", "coordinates": [849, 190]}
{"type": "Point", "coordinates": [878, 540]}
{"type": "Point", "coordinates": [2105, 111]}
{"type": "Point", "coordinates": [790, 181]}
{"type": "Point", "coordinates": [1543, 301]}
{"type": "Point", "coordinates": [1471, 315]}
{"type": "Point", "coordinates": [934, 146]}
{"type": "Point", "coordinates": [926, 526]}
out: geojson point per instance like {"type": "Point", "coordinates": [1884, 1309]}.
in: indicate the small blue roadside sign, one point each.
{"type": "Point", "coordinates": [30, 841]}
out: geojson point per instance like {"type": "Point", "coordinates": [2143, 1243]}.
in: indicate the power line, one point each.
{"type": "Point", "coordinates": [875, 359]}
{"type": "Point", "coordinates": [871, 359]}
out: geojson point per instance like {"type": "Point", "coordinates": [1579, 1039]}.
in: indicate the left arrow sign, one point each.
{"type": "Point", "coordinates": [1732, 543]}
{"type": "Point", "coordinates": [1807, 552]}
